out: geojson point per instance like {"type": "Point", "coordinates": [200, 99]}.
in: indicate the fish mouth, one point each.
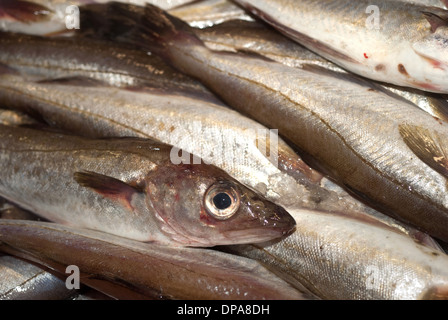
{"type": "Point", "coordinates": [278, 225]}
{"type": "Point", "coordinates": [253, 236]}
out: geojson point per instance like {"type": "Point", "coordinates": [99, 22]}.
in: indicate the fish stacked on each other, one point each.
{"type": "Point", "coordinates": [248, 83]}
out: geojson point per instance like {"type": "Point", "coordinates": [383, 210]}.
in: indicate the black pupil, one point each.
{"type": "Point", "coordinates": [222, 201]}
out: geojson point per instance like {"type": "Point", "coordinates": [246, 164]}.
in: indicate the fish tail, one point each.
{"type": "Point", "coordinates": [148, 28]}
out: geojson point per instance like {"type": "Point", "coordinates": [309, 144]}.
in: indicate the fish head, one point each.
{"type": "Point", "coordinates": [434, 47]}
{"type": "Point", "coordinates": [201, 205]}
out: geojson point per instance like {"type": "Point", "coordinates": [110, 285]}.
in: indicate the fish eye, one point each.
{"type": "Point", "coordinates": [222, 200]}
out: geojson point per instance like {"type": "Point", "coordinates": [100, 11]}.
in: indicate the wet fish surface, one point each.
{"type": "Point", "coordinates": [147, 271]}
{"type": "Point", "coordinates": [24, 281]}
{"type": "Point", "coordinates": [50, 17]}
{"type": "Point", "coordinates": [375, 144]}
{"type": "Point", "coordinates": [253, 37]}
{"type": "Point", "coordinates": [42, 58]}
{"type": "Point", "coordinates": [348, 259]}
{"type": "Point", "coordinates": [130, 187]}
{"type": "Point", "coordinates": [207, 13]}
{"type": "Point", "coordinates": [390, 41]}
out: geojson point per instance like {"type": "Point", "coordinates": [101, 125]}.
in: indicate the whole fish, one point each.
{"type": "Point", "coordinates": [253, 37]}
{"type": "Point", "coordinates": [390, 41]}
{"type": "Point", "coordinates": [22, 280]}
{"type": "Point", "coordinates": [349, 259]}
{"type": "Point", "coordinates": [130, 187]}
{"type": "Point", "coordinates": [124, 269]}
{"type": "Point", "coordinates": [387, 151]}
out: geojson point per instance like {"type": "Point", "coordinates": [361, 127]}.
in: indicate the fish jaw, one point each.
{"type": "Point", "coordinates": [185, 217]}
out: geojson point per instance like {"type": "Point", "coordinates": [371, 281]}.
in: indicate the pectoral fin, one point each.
{"type": "Point", "coordinates": [428, 145]}
{"type": "Point", "coordinates": [436, 19]}
{"type": "Point", "coordinates": [108, 187]}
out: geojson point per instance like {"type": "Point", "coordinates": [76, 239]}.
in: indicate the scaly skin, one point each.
{"type": "Point", "coordinates": [347, 259]}
{"type": "Point", "coordinates": [349, 129]}
{"type": "Point", "coordinates": [146, 270]}
{"type": "Point", "coordinates": [145, 196]}
{"type": "Point", "coordinates": [405, 50]}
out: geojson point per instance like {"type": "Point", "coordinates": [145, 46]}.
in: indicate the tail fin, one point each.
{"type": "Point", "coordinates": [148, 28]}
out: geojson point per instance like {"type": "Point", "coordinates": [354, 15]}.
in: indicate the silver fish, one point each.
{"type": "Point", "coordinates": [40, 58]}
{"type": "Point", "coordinates": [248, 151]}
{"type": "Point", "coordinates": [434, 3]}
{"type": "Point", "coordinates": [207, 13]}
{"type": "Point", "coordinates": [146, 271]}
{"type": "Point", "coordinates": [130, 187]}
{"type": "Point", "coordinates": [252, 37]}
{"type": "Point", "coordinates": [390, 41]}
{"type": "Point", "coordinates": [349, 259]}
{"type": "Point", "coordinates": [217, 134]}
{"type": "Point", "coordinates": [49, 17]}
{"type": "Point", "coordinates": [22, 280]}
{"type": "Point", "coordinates": [368, 135]}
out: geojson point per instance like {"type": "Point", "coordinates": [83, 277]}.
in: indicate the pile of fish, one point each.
{"type": "Point", "coordinates": [217, 149]}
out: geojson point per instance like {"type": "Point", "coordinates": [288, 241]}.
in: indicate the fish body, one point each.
{"type": "Point", "coordinates": [219, 135]}
{"type": "Point", "coordinates": [47, 58]}
{"type": "Point", "coordinates": [374, 144]}
{"type": "Point", "coordinates": [434, 3]}
{"type": "Point", "coordinates": [203, 14]}
{"type": "Point", "coordinates": [145, 271]}
{"type": "Point", "coordinates": [50, 17]}
{"type": "Point", "coordinates": [248, 151]}
{"type": "Point", "coordinates": [22, 280]}
{"type": "Point", "coordinates": [391, 41]}
{"type": "Point", "coordinates": [130, 187]}
{"type": "Point", "coordinates": [348, 259]}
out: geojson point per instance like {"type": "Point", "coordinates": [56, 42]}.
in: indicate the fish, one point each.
{"type": "Point", "coordinates": [290, 183]}
{"type": "Point", "coordinates": [22, 280]}
{"type": "Point", "coordinates": [434, 3]}
{"type": "Point", "coordinates": [54, 17]}
{"type": "Point", "coordinates": [9, 210]}
{"type": "Point", "coordinates": [146, 270]}
{"type": "Point", "coordinates": [246, 150]}
{"type": "Point", "coordinates": [131, 188]}
{"type": "Point", "coordinates": [391, 41]}
{"type": "Point", "coordinates": [207, 13]}
{"type": "Point", "coordinates": [351, 259]}
{"type": "Point", "coordinates": [375, 145]}
{"type": "Point", "coordinates": [255, 38]}
{"type": "Point", "coordinates": [40, 58]}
